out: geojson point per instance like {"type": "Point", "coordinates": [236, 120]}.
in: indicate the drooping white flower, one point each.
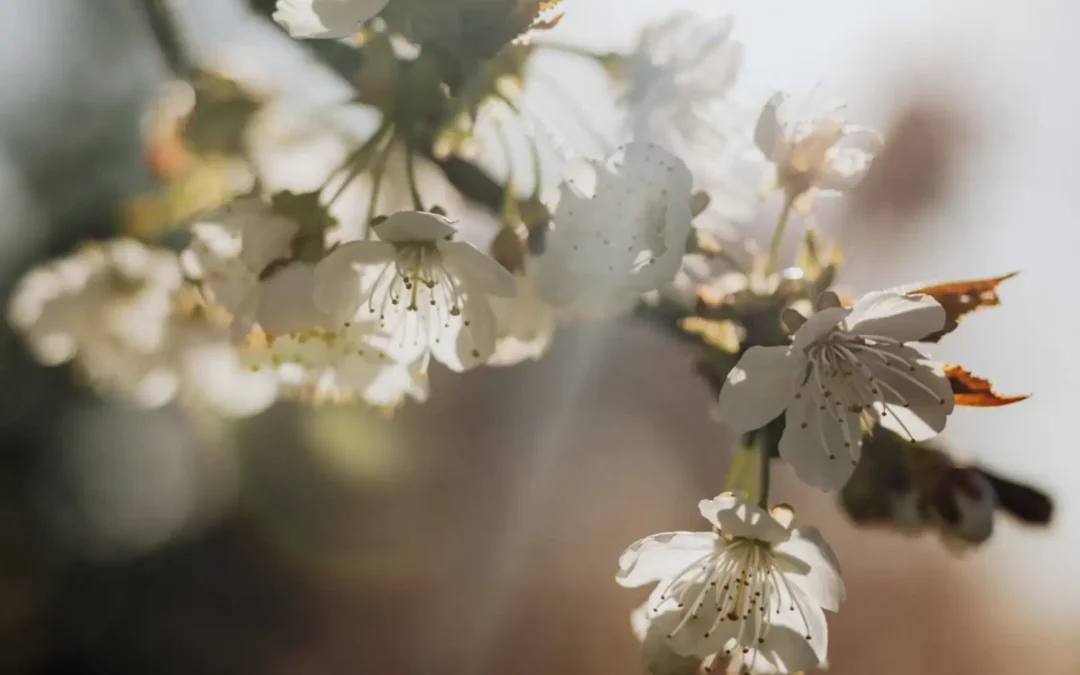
{"type": "Point", "coordinates": [754, 589]}
{"type": "Point", "coordinates": [811, 154]}
{"type": "Point", "coordinates": [428, 293]}
{"type": "Point", "coordinates": [624, 237]}
{"type": "Point", "coordinates": [677, 78]}
{"type": "Point", "coordinates": [325, 18]}
{"type": "Point", "coordinates": [524, 325]}
{"type": "Point", "coordinates": [842, 363]}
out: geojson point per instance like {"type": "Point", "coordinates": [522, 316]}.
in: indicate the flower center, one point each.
{"type": "Point", "coordinates": [432, 297]}
{"type": "Point", "coordinates": [839, 370]}
{"type": "Point", "coordinates": [741, 582]}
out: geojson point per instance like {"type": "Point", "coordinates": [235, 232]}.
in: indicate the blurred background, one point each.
{"type": "Point", "coordinates": [478, 533]}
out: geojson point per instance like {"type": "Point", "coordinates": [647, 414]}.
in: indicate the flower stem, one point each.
{"type": "Point", "coordinates": [377, 172]}
{"type": "Point", "coordinates": [356, 162]}
{"type": "Point", "coordinates": [764, 476]}
{"type": "Point", "coordinates": [778, 235]}
{"type": "Point", "coordinates": [414, 188]}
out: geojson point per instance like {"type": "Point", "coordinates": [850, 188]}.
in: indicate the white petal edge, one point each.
{"type": "Point", "coordinates": [481, 271]}
{"type": "Point", "coordinates": [738, 518]}
{"type": "Point", "coordinates": [337, 276]}
{"type": "Point", "coordinates": [759, 387]}
{"type": "Point", "coordinates": [810, 562]}
{"type": "Point", "coordinates": [662, 556]}
{"type": "Point", "coordinates": [414, 226]}
{"type": "Point", "coordinates": [907, 318]}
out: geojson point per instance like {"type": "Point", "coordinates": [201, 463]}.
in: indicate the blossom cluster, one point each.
{"type": "Point", "coordinates": [277, 293]}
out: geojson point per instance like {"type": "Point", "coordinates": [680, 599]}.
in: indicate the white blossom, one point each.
{"type": "Point", "coordinates": [822, 152]}
{"type": "Point", "coordinates": [325, 18]}
{"type": "Point", "coordinates": [244, 257]}
{"type": "Point", "coordinates": [114, 308]}
{"type": "Point", "coordinates": [676, 79]}
{"type": "Point", "coordinates": [842, 363]}
{"type": "Point", "coordinates": [754, 589]}
{"type": "Point", "coordinates": [622, 238]}
{"type": "Point", "coordinates": [428, 293]}
{"type": "Point", "coordinates": [107, 306]}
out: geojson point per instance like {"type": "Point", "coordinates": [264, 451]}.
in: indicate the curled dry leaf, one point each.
{"type": "Point", "coordinates": [960, 298]}
{"type": "Point", "coordinates": [975, 391]}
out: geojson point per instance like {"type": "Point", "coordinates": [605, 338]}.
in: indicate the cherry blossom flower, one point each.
{"type": "Point", "coordinates": [755, 588]}
{"type": "Point", "coordinates": [113, 309]}
{"type": "Point", "coordinates": [428, 293]}
{"type": "Point", "coordinates": [325, 18]}
{"type": "Point", "coordinates": [107, 307]}
{"type": "Point", "coordinates": [843, 363]}
{"type": "Point", "coordinates": [624, 237]}
{"type": "Point", "coordinates": [807, 155]}
{"type": "Point", "coordinates": [244, 256]}
{"type": "Point", "coordinates": [676, 78]}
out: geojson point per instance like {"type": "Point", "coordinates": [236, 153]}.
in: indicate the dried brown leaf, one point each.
{"type": "Point", "coordinates": [960, 298]}
{"type": "Point", "coordinates": [975, 391]}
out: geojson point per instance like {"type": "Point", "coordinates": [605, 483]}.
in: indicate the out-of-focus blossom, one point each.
{"type": "Point", "coordinates": [819, 153]}
{"type": "Point", "coordinates": [325, 18]}
{"type": "Point", "coordinates": [428, 293]}
{"type": "Point", "coordinates": [754, 589]}
{"type": "Point", "coordinates": [676, 80]}
{"type": "Point", "coordinates": [842, 363]}
{"type": "Point", "coordinates": [524, 325]}
{"type": "Point", "coordinates": [624, 237]}
{"type": "Point", "coordinates": [106, 307]}
{"type": "Point", "coordinates": [114, 309]}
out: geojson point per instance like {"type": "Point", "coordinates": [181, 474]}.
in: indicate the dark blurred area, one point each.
{"type": "Point", "coordinates": [475, 534]}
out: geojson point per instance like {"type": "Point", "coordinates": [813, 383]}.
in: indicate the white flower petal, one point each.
{"type": "Point", "coordinates": [738, 518]}
{"type": "Point", "coordinates": [919, 398]}
{"type": "Point", "coordinates": [759, 387]}
{"type": "Point", "coordinates": [769, 132]}
{"type": "Point", "coordinates": [414, 226]}
{"type": "Point", "coordinates": [816, 445]}
{"type": "Point", "coordinates": [629, 238]}
{"type": "Point", "coordinates": [786, 648]}
{"type": "Point", "coordinates": [818, 326]}
{"type": "Point", "coordinates": [468, 340]}
{"type": "Point", "coordinates": [657, 656]}
{"type": "Point", "coordinates": [662, 556]}
{"type": "Point", "coordinates": [480, 270]}
{"type": "Point", "coordinates": [325, 18]}
{"type": "Point", "coordinates": [906, 318]}
{"type": "Point", "coordinates": [808, 561]}
{"type": "Point", "coordinates": [286, 302]}
{"type": "Point", "coordinates": [524, 326]}
{"type": "Point", "coordinates": [337, 288]}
